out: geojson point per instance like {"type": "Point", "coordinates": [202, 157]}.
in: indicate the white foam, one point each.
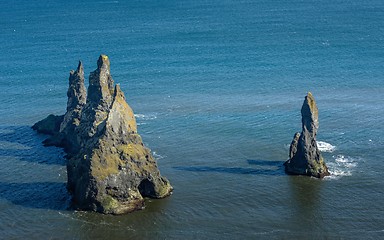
{"type": "Point", "coordinates": [146, 116]}
{"type": "Point", "coordinates": [325, 147]}
{"type": "Point", "coordinates": [157, 156]}
{"type": "Point", "coordinates": [341, 166]}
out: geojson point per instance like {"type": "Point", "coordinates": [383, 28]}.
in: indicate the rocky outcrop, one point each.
{"type": "Point", "coordinates": [49, 125]}
{"type": "Point", "coordinates": [109, 168]}
{"type": "Point", "coordinates": [304, 155]}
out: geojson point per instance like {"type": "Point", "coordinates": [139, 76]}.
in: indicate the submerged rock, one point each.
{"type": "Point", "coordinates": [304, 155]}
{"type": "Point", "coordinates": [109, 168]}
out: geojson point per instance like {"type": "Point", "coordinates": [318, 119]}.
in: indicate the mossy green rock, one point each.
{"type": "Point", "coordinates": [304, 155]}
{"type": "Point", "coordinates": [109, 168]}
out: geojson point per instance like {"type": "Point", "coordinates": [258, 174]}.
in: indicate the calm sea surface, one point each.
{"type": "Point", "coordinates": [217, 88]}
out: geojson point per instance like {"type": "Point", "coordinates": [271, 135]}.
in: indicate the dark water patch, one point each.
{"type": "Point", "coordinates": [306, 192]}
{"type": "Point", "coordinates": [265, 163]}
{"type": "Point", "coordinates": [261, 167]}
{"type": "Point", "coordinates": [25, 144]}
{"type": "Point", "coordinates": [40, 195]}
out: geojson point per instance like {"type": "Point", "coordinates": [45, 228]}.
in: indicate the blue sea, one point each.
{"type": "Point", "coordinates": [217, 88]}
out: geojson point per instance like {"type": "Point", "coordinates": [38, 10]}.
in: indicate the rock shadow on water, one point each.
{"type": "Point", "coordinates": [306, 192]}
{"type": "Point", "coordinates": [23, 143]}
{"type": "Point", "coordinates": [261, 167]}
{"type": "Point", "coordinates": [278, 164]}
{"type": "Point", "coordinates": [38, 195]}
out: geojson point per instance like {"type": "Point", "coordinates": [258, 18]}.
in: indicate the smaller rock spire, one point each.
{"type": "Point", "coordinates": [77, 96]}
{"type": "Point", "coordinates": [76, 93]}
{"type": "Point", "coordinates": [80, 68]}
{"type": "Point", "coordinates": [304, 155]}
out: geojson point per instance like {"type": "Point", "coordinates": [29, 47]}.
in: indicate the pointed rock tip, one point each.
{"type": "Point", "coordinates": [310, 100]}
{"type": "Point", "coordinates": [118, 91]}
{"type": "Point", "coordinates": [80, 67]}
{"type": "Point", "coordinates": [79, 70]}
{"type": "Point", "coordinates": [103, 61]}
{"type": "Point", "coordinates": [117, 87]}
{"type": "Point", "coordinates": [310, 97]}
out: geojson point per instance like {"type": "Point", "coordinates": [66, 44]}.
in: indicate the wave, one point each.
{"type": "Point", "coordinates": [6, 131]}
{"type": "Point", "coordinates": [157, 156]}
{"type": "Point", "coordinates": [322, 146]}
{"type": "Point", "coordinates": [325, 147]}
{"type": "Point", "coordinates": [341, 166]}
{"type": "Point", "coordinates": [145, 116]}
{"type": "Point", "coordinates": [6, 145]}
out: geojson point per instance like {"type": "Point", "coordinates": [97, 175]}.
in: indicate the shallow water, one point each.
{"type": "Point", "coordinates": [217, 89]}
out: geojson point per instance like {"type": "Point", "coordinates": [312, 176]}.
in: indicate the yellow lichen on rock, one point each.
{"type": "Point", "coordinates": [121, 110]}
{"type": "Point", "coordinates": [131, 149]}
{"type": "Point", "coordinates": [104, 164]}
{"type": "Point", "coordinates": [312, 104]}
{"type": "Point", "coordinates": [109, 204]}
{"type": "Point", "coordinates": [105, 57]}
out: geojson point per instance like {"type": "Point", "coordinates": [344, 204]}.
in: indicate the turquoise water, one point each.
{"type": "Point", "coordinates": [217, 88]}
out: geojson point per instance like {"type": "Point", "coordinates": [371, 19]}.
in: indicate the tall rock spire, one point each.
{"type": "Point", "coordinates": [101, 84]}
{"type": "Point", "coordinates": [304, 155]}
{"type": "Point", "coordinates": [109, 168]}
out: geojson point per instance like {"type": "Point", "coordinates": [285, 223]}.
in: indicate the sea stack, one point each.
{"type": "Point", "coordinates": [109, 168]}
{"type": "Point", "coordinates": [304, 155]}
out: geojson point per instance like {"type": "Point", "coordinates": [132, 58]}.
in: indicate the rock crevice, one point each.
{"type": "Point", "coordinates": [109, 168]}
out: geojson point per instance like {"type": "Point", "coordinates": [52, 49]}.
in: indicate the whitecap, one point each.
{"type": "Point", "coordinates": [325, 147]}
{"type": "Point", "coordinates": [145, 116]}
{"type": "Point", "coordinates": [341, 166]}
{"type": "Point", "coordinates": [157, 156]}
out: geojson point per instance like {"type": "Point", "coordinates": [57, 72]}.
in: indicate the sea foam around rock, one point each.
{"type": "Point", "coordinates": [341, 166]}
{"type": "Point", "coordinates": [325, 147]}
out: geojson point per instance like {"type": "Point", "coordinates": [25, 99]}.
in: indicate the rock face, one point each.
{"type": "Point", "coordinates": [304, 155]}
{"type": "Point", "coordinates": [109, 168]}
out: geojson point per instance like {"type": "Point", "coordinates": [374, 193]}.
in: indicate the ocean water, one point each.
{"type": "Point", "coordinates": [217, 88]}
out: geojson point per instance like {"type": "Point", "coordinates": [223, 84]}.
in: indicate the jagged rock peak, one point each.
{"type": "Point", "coordinates": [103, 62]}
{"type": "Point", "coordinates": [80, 68]}
{"type": "Point", "coordinates": [304, 155]}
{"type": "Point", "coordinates": [77, 94]}
{"type": "Point", "coordinates": [101, 84]}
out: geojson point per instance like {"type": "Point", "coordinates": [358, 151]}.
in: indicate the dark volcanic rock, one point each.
{"type": "Point", "coordinates": [49, 125]}
{"type": "Point", "coordinates": [109, 168]}
{"type": "Point", "coordinates": [76, 101]}
{"type": "Point", "coordinates": [304, 155]}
